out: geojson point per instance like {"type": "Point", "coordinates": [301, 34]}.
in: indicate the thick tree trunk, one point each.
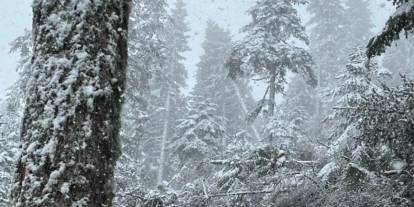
{"type": "Point", "coordinates": [70, 128]}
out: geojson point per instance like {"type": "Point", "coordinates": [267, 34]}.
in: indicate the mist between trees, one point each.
{"type": "Point", "coordinates": [99, 116]}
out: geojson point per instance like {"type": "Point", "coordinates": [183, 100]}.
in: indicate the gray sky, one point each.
{"type": "Point", "coordinates": [15, 16]}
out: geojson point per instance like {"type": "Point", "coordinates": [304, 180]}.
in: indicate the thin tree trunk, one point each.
{"type": "Point", "coordinates": [245, 110]}
{"type": "Point", "coordinates": [223, 114]}
{"type": "Point", "coordinates": [318, 113]}
{"type": "Point", "coordinates": [272, 95]}
{"type": "Point", "coordinates": [164, 139]}
{"type": "Point", "coordinates": [70, 127]}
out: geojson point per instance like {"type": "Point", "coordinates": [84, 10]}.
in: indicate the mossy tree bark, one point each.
{"type": "Point", "coordinates": [70, 127]}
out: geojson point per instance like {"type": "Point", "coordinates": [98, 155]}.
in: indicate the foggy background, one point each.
{"type": "Point", "coordinates": [15, 16]}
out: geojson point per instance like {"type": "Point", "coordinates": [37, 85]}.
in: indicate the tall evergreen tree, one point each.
{"type": "Point", "coordinates": [10, 118]}
{"type": "Point", "coordinates": [141, 65]}
{"type": "Point", "coordinates": [304, 98]}
{"type": "Point", "coordinates": [297, 110]}
{"type": "Point", "coordinates": [354, 84]}
{"type": "Point", "coordinates": [71, 119]}
{"type": "Point", "coordinates": [144, 110]}
{"type": "Point", "coordinates": [286, 131]}
{"type": "Point", "coordinates": [349, 161]}
{"type": "Point", "coordinates": [9, 125]}
{"type": "Point", "coordinates": [201, 136]}
{"type": "Point", "coordinates": [154, 100]}
{"type": "Point", "coordinates": [178, 39]}
{"type": "Point", "coordinates": [386, 128]}
{"type": "Point", "coordinates": [233, 98]}
{"type": "Point", "coordinates": [267, 51]}
{"type": "Point", "coordinates": [327, 37]}
{"type": "Point", "coordinates": [211, 74]}
{"type": "Point", "coordinates": [174, 76]}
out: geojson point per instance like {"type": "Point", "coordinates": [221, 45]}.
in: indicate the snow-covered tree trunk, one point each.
{"type": "Point", "coordinates": [164, 139]}
{"type": "Point", "coordinates": [245, 110]}
{"type": "Point", "coordinates": [272, 94]}
{"type": "Point", "coordinates": [71, 121]}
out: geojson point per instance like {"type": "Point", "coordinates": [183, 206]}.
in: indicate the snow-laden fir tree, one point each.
{"type": "Point", "coordinates": [154, 100]}
{"type": "Point", "coordinates": [161, 41]}
{"type": "Point", "coordinates": [287, 131]}
{"type": "Point", "coordinates": [299, 107]}
{"type": "Point", "coordinates": [11, 115]}
{"type": "Point", "coordinates": [152, 23]}
{"type": "Point", "coordinates": [201, 136]}
{"type": "Point", "coordinates": [379, 159]}
{"type": "Point", "coordinates": [178, 41]}
{"type": "Point", "coordinates": [129, 174]}
{"type": "Point", "coordinates": [327, 38]}
{"type": "Point", "coordinates": [23, 46]}
{"type": "Point", "coordinates": [327, 47]}
{"type": "Point", "coordinates": [378, 168]}
{"type": "Point", "coordinates": [9, 123]}
{"type": "Point", "coordinates": [269, 51]}
{"type": "Point", "coordinates": [355, 82]}
{"type": "Point", "coordinates": [10, 119]}
{"type": "Point", "coordinates": [71, 121]}
{"type": "Point", "coordinates": [401, 22]}
{"type": "Point", "coordinates": [233, 97]}
{"type": "Point", "coordinates": [386, 125]}
{"type": "Point", "coordinates": [172, 82]}
{"type": "Point", "coordinates": [279, 132]}
{"type": "Point", "coordinates": [385, 117]}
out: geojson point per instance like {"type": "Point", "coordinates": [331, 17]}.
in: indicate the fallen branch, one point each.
{"type": "Point", "coordinates": [306, 162]}
{"type": "Point", "coordinates": [322, 144]}
{"type": "Point", "coordinates": [220, 162]}
{"type": "Point", "coordinates": [240, 193]}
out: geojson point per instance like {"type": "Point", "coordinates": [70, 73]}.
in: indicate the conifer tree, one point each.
{"type": "Point", "coordinates": [174, 80]}
{"type": "Point", "coordinates": [201, 136]}
{"type": "Point", "coordinates": [178, 39]}
{"type": "Point", "coordinates": [354, 83]}
{"type": "Point", "coordinates": [10, 118]}
{"type": "Point", "coordinates": [386, 128]}
{"type": "Point", "coordinates": [327, 38]}
{"type": "Point", "coordinates": [150, 87]}
{"type": "Point", "coordinates": [304, 98]}
{"type": "Point", "coordinates": [267, 52]}
{"type": "Point", "coordinates": [130, 168]}
{"type": "Point", "coordinates": [233, 98]}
